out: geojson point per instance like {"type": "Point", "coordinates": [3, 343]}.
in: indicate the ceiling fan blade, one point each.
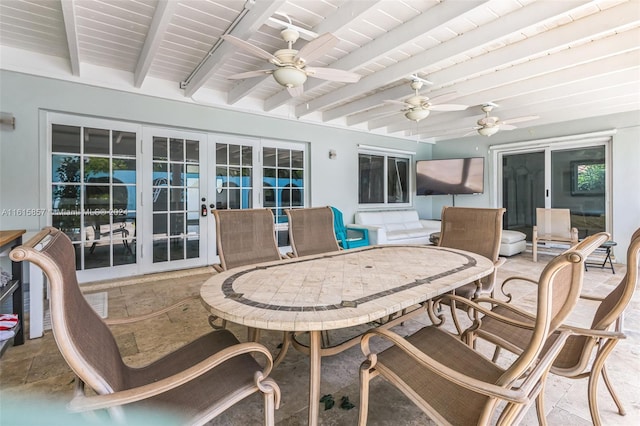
{"type": "Point", "coordinates": [250, 74]}
{"type": "Point", "coordinates": [295, 91]}
{"type": "Point", "coordinates": [521, 119]}
{"type": "Point", "coordinates": [316, 48]}
{"type": "Point", "coordinates": [333, 74]}
{"type": "Point", "coordinates": [250, 48]}
{"type": "Point", "coordinates": [448, 107]}
{"type": "Point", "coordinates": [507, 126]}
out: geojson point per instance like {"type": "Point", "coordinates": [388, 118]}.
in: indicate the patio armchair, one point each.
{"type": "Point", "coordinates": [311, 231]}
{"type": "Point", "coordinates": [553, 226]}
{"type": "Point", "coordinates": [348, 238]}
{"type": "Point", "coordinates": [454, 384]}
{"type": "Point", "coordinates": [244, 237]}
{"type": "Point", "coordinates": [478, 230]}
{"type": "Point", "coordinates": [587, 349]}
{"type": "Point", "coordinates": [196, 382]}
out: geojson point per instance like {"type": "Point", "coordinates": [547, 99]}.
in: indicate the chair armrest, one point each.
{"type": "Point", "coordinates": [508, 280]}
{"type": "Point", "coordinates": [592, 297]}
{"type": "Point", "coordinates": [476, 306]}
{"type": "Point", "coordinates": [130, 320]}
{"type": "Point", "coordinates": [377, 234]}
{"type": "Point", "coordinates": [479, 386]}
{"type": "Point", "coordinates": [358, 228]}
{"type": "Point", "coordinates": [597, 334]}
{"type": "Point", "coordinates": [97, 402]}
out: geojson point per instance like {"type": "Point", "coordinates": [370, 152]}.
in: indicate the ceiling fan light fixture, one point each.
{"type": "Point", "coordinates": [417, 114]}
{"type": "Point", "coordinates": [290, 76]}
{"type": "Point", "coordinates": [488, 131]}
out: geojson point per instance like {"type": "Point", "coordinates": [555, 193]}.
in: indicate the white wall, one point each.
{"type": "Point", "coordinates": [22, 179]}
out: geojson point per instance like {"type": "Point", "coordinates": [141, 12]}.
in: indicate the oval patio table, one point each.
{"type": "Point", "coordinates": [337, 290]}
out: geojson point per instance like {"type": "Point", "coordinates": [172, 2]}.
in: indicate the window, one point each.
{"type": "Point", "coordinates": [383, 178]}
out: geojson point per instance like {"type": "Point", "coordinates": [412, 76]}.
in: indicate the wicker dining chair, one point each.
{"type": "Point", "coordinates": [454, 384]}
{"type": "Point", "coordinates": [196, 382]}
{"type": "Point", "coordinates": [586, 351]}
{"type": "Point", "coordinates": [478, 230]}
{"type": "Point", "coordinates": [311, 231]}
{"type": "Point", "coordinates": [244, 237]}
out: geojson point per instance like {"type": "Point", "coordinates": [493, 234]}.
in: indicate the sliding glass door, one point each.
{"type": "Point", "coordinates": [571, 177]}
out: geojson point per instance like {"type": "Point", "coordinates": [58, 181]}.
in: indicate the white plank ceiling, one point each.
{"type": "Point", "coordinates": [558, 60]}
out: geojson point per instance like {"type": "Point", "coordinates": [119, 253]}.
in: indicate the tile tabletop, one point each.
{"type": "Point", "coordinates": [339, 289]}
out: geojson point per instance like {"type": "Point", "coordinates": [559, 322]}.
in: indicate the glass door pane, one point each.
{"type": "Point", "coordinates": [578, 183]}
{"type": "Point", "coordinates": [523, 184]}
{"type": "Point", "coordinates": [176, 223]}
{"type": "Point", "coordinates": [283, 185]}
{"type": "Point", "coordinates": [176, 203]}
{"type": "Point", "coordinates": [93, 192]}
{"type": "Point", "coordinates": [575, 180]}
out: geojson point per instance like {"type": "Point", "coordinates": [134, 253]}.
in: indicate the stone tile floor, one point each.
{"type": "Point", "coordinates": [37, 370]}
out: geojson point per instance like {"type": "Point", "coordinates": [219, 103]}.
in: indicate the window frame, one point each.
{"type": "Point", "coordinates": [386, 154]}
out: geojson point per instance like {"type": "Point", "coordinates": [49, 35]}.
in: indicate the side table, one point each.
{"type": "Point", "coordinates": [607, 245]}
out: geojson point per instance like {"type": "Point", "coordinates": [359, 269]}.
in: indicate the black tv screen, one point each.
{"type": "Point", "coordinates": [451, 176]}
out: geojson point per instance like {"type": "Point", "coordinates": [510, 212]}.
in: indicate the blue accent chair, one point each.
{"type": "Point", "coordinates": [345, 237]}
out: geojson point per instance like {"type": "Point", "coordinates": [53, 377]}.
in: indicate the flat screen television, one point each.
{"type": "Point", "coordinates": [451, 176]}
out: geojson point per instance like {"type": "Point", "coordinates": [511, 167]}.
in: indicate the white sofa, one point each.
{"type": "Point", "coordinates": [396, 227]}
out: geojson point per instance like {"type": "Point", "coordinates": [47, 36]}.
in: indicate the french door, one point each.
{"type": "Point", "coordinates": [137, 199]}
{"type": "Point", "coordinates": [175, 230]}
{"type": "Point", "coordinates": [573, 176]}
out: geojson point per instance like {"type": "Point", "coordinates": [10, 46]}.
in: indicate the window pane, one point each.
{"type": "Point", "coordinates": [96, 141]}
{"type": "Point", "coordinates": [65, 168]}
{"type": "Point", "coordinates": [247, 156]}
{"type": "Point", "coordinates": [397, 178]}
{"type": "Point", "coordinates": [284, 158]}
{"type": "Point", "coordinates": [234, 155]}
{"type": "Point", "coordinates": [160, 148]}
{"type": "Point", "coordinates": [221, 153]}
{"type": "Point", "coordinates": [66, 197]}
{"type": "Point", "coordinates": [124, 144]}
{"type": "Point", "coordinates": [176, 150]}
{"type": "Point", "coordinates": [193, 151]}
{"type": "Point", "coordinates": [96, 169]}
{"type": "Point", "coordinates": [177, 177]}
{"type": "Point", "coordinates": [124, 171]}
{"type": "Point", "coordinates": [65, 138]}
{"type": "Point", "coordinates": [269, 157]}
{"type": "Point", "coordinates": [297, 159]}
{"type": "Point", "coordinates": [371, 179]}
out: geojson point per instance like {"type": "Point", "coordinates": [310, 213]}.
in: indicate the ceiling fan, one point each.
{"type": "Point", "coordinates": [418, 107]}
{"type": "Point", "coordinates": [488, 125]}
{"type": "Point", "coordinates": [290, 65]}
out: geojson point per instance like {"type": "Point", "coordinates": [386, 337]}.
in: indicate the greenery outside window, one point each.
{"type": "Point", "coordinates": [383, 178]}
{"type": "Point", "coordinates": [587, 177]}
